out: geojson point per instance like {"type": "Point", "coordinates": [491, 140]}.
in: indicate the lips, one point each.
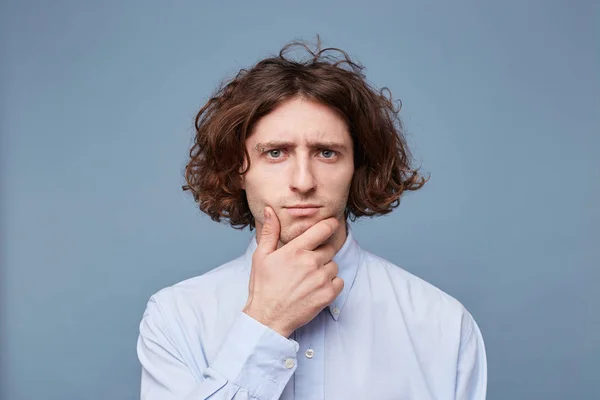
{"type": "Point", "coordinates": [303, 210]}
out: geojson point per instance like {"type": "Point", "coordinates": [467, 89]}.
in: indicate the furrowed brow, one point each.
{"type": "Point", "coordinates": [261, 147]}
{"type": "Point", "coordinates": [327, 144]}
{"type": "Point", "coordinates": [272, 144]}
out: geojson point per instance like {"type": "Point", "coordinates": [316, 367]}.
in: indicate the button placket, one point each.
{"type": "Point", "coordinates": [308, 378]}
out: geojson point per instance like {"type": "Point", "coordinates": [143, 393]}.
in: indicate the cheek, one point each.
{"type": "Point", "coordinates": [260, 187]}
{"type": "Point", "coordinates": [338, 180]}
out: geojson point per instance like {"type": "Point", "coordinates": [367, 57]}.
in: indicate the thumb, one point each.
{"type": "Point", "coordinates": [269, 235]}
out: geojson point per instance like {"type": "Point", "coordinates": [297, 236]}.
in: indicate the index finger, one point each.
{"type": "Point", "coordinates": [316, 234]}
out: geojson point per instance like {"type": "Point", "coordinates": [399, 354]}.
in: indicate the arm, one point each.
{"type": "Point", "coordinates": [471, 378]}
{"type": "Point", "coordinates": [251, 363]}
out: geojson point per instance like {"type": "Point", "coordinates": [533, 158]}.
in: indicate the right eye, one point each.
{"type": "Point", "coordinates": [276, 153]}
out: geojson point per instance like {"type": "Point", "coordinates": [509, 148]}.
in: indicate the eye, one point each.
{"type": "Point", "coordinates": [328, 153]}
{"type": "Point", "coordinates": [276, 153]}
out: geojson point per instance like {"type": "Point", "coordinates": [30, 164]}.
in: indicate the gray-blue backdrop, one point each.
{"type": "Point", "coordinates": [501, 107]}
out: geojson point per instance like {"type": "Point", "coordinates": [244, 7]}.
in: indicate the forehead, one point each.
{"type": "Point", "coordinates": [301, 121]}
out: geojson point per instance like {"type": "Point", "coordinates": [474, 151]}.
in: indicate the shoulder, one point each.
{"type": "Point", "coordinates": [414, 295]}
{"type": "Point", "coordinates": [210, 290]}
{"type": "Point", "coordinates": [192, 316]}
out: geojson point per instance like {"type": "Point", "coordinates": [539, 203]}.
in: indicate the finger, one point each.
{"type": "Point", "coordinates": [338, 285]}
{"type": "Point", "coordinates": [269, 235]}
{"type": "Point", "coordinates": [331, 269]}
{"type": "Point", "coordinates": [325, 252]}
{"type": "Point", "coordinates": [315, 235]}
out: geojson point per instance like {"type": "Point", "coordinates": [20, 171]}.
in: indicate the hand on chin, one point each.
{"type": "Point", "coordinates": [296, 227]}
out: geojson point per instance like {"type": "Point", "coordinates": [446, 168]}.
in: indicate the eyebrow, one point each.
{"type": "Point", "coordinates": [313, 145]}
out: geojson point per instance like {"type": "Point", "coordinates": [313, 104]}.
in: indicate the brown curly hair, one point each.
{"type": "Point", "coordinates": [382, 159]}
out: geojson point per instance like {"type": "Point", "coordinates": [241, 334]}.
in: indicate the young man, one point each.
{"type": "Point", "coordinates": [295, 149]}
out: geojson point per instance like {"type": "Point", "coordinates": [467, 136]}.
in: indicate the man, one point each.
{"type": "Point", "coordinates": [295, 149]}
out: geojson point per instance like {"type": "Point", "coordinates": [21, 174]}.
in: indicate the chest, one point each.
{"type": "Point", "coordinates": [372, 358]}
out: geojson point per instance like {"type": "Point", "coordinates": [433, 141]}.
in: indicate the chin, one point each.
{"type": "Point", "coordinates": [297, 227]}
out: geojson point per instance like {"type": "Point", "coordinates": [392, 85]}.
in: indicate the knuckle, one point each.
{"type": "Point", "coordinates": [323, 279]}
{"type": "Point", "coordinates": [299, 253]}
{"type": "Point", "coordinates": [307, 257]}
{"type": "Point", "coordinates": [312, 260]}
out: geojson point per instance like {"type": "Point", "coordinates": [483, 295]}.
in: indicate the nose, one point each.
{"type": "Point", "coordinates": [303, 180]}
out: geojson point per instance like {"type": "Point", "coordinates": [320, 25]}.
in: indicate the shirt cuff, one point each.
{"type": "Point", "coordinates": [256, 358]}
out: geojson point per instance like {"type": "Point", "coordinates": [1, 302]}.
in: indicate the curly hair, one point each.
{"type": "Point", "coordinates": [382, 159]}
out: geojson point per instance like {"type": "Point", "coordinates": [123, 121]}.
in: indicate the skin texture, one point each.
{"type": "Point", "coordinates": [293, 276]}
{"type": "Point", "coordinates": [299, 174]}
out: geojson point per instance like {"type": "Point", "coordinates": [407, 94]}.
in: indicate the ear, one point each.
{"type": "Point", "coordinates": [241, 179]}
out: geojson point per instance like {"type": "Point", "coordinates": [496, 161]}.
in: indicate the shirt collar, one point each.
{"type": "Point", "coordinates": [347, 258]}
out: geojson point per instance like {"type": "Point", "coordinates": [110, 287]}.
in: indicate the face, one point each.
{"type": "Point", "coordinates": [300, 156]}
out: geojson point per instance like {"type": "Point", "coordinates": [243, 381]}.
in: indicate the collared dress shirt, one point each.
{"type": "Point", "coordinates": [388, 335]}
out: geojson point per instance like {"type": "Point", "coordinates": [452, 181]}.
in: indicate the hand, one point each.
{"type": "Point", "coordinates": [291, 285]}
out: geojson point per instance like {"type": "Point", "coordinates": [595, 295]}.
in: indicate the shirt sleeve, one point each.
{"type": "Point", "coordinates": [254, 362]}
{"type": "Point", "coordinates": [471, 378]}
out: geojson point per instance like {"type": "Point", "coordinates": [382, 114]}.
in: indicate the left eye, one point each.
{"type": "Point", "coordinates": [328, 153]}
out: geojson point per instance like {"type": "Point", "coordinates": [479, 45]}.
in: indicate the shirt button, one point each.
{"type": "Point", "coordinates": [289, 363]}
{"type": "Point", "coordinates": [310, 353]}
{"type": "Point", "coordinates": [336, 310]}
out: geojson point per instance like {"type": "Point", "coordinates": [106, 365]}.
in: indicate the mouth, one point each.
{"type": "Point", "coordinates": [303, 210]}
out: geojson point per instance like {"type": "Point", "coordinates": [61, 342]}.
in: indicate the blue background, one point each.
{"type": "Point", "coordinates": [501, 107]}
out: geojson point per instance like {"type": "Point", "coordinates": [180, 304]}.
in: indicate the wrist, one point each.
{"type": "Point", "coordinates": [266, 321]}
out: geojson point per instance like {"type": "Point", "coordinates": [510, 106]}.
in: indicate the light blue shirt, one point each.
{"type": "Point", "coordinates": [388, 335]}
